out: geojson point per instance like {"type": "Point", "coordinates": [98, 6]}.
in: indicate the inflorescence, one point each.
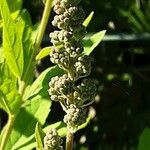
{"type": "Point", "coordinates": [52, 141]}
{"type": "Point", "coordinates": [67, 53]}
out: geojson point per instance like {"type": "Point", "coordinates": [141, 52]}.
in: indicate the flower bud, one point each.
{"type": "Point", "coordinates": [75, 117]}
{"type": "Point", "coordinates": [52, 141]}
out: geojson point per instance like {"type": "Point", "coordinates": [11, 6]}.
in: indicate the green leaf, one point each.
{"type": "Point", "coordinates": [33, 111]}
{"type": "Point", "coordinates": [30, 142]}
{"type": "Point", "coordinates": [1, 23]}
{"type": "Point", "coordinates": [14, 7]}
{"type": "Point", "coordinates": [41, 83]}
{"type": "Point", "coordinates": [27, 47]}
{"type": "Point", "coordinates": [92, 41]}
{"type": "Point", "coordinates": [3, 103]}
{"type": "Point", "coordinates": [85, 124]}
{"type": "Point", "coordinates": [44, 52]}
{"type": "Point", "coordinates": [10, 98]}
{"type": "Point", "coordinates": [12, 41]}
{"type": "Point", "coordinates": [144, 140]}
{"type": "Point", "coordinates": [39, 136]}
{"type": "Point", "coordinates": [88, 19]}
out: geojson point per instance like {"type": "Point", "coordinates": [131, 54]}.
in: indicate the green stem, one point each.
{"type": "Point", "coordinates": [6, 133]}
{"type": "Point", "coordinates": [69, 140]}
{"type": "Point", "coordinates": [43, 24]}
{"type": "Point", "coordinates": [11, 119]}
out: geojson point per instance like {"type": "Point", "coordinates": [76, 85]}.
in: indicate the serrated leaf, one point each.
{"type": "Point", "coordinates": [11, 99]}
{"type": "Point", "coordinates": [12, 41]}
{"type": "Point", "coordinates": [14, 7]}
{"type": "Point", "coordinates": [39, 136]}
{"type": "Point", "coordinates": [88, 19]}
{"type": "Point", "coordinates": [44, 52]}
{"type": "Point", "coordinates": [144, 140]}
{"type": "Point", "coordinates": [41, 83]}
{"type": "Point", "coordinates": [92, 41]}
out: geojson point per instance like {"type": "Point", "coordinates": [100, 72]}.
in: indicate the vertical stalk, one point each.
{"type": "Point", "coordinates": [7, 131]}
{"type": "Point", "coordinates": [69, 140]}
{"type": "Point", "coordinates": [43, 24]}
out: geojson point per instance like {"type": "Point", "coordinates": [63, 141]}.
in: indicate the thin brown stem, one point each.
{"type": "Point", "coordinates": [69, 140]}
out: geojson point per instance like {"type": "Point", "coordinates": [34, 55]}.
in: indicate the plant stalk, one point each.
{"type": "Point", "coordinates": [40, 34]}
{"type": "Point", "coordinates": [69, 140]}
{"type": "Point", "coordinates": [7, 131]}
{"type": "Point", "coordinates": [43, 24]}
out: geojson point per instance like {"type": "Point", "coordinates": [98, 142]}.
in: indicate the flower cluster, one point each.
{"type": "Point", "coordinates": [68, 54]}
{"type": "Point", "coordinates": [52, 141]}
{"type": "Point", "coordinates": [75, 116]}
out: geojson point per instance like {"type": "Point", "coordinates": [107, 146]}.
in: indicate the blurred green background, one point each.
{"type": "Point", "coordinates": [121, 65]}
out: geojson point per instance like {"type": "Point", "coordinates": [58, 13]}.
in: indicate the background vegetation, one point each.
{"type": "Point", "coordinates": [122, 68]}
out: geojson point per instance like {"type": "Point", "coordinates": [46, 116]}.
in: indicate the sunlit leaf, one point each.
{"type": "Point", "coordinates": [35, 110]}
{"type": "Point", "coordinates": [39, 136]}
{"type": "Point", "coordinates": [92, 41]}
{"type": "Point", "coordinates": [12, 41]}
{"type": "Point", "coordinates": [44, 52]}
{"type": "Point", "coordinates": [88, 19]}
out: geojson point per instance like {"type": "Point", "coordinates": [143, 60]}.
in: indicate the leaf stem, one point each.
{"type": "Point", "coordinates": [7, 131]}
{"type": "Point", "coordinates": [69, 140]}
{"type": "Point", "coordinates": [43, 24]}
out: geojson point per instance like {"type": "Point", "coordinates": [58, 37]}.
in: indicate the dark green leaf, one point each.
{"type": "Point", "coordinates": [92, 41]}
{"type": "Point", "coordinates": [39, 136]}
{"type": "Point", "coordinates": [144, 140]}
